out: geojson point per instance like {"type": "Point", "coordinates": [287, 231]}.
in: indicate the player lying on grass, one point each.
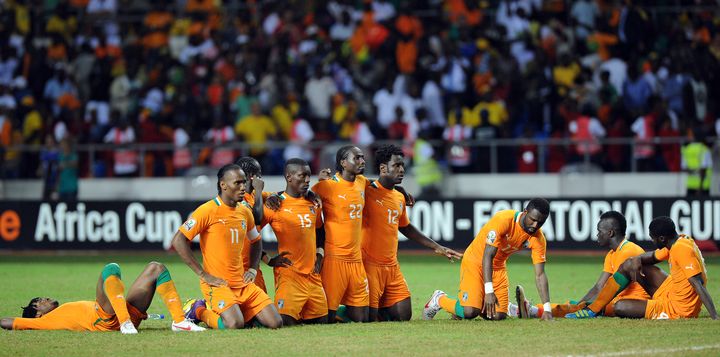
{"type": "Point", "coordinates": [483, 272]}
{"type": "Point", "coordinates": [110, 311]}
{"type": "Point", "coordinates": [678, 295]}
{"type": "Point", "coordinates": [610, 234]}
{"type": "Point", "coordinates": [383, 216]}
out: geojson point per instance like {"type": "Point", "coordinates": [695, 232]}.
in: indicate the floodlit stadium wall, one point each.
{"type": "Point", "coordinates": [133, 225]}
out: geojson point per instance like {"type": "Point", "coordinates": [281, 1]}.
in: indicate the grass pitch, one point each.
{"type": "Point", "coordinates": [73, 277]}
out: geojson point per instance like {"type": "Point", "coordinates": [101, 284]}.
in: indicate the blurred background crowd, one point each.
{"type": "Point", "coordinates": [451, 73]}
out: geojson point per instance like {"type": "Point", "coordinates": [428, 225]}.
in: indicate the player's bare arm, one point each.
{"type": "Point", "coordinates": [320, 249]}
{"type": "Point", "coordinates": [409, 199]}
{"type": "Point", "coordinates": [592, 293]}
{"type": "Point", "coordinates": [414, 234]}
{"type": "Point", "coordinates": [280, 261]}
{"type": "Point", "coordinates": [490, 298]}
{"type": "Point", "coordinates": [697, 284]}
{"type": "Point", "coordinates": [635, 264]}
{"type": "Point", "coordinates": [541, 281]}
{"type": "Point", "coordinates": [182, 247]}
{"type": "Point", "coordinates": [258, 185]}
{"type": "Point", "coordinates": [255, 255]}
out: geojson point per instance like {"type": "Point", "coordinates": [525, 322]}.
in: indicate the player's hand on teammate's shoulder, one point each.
{"type": "Point", "coordinates": [212, 280]}
{"type": "Point", "coordinates": [314, 198]}
{"type": "Point", "coordinates": [635, 265]}
{"type": "Point", "coordinates": [409, 199]}
{"type": "Point", "coordinates": [448, 253]}
{"type": "Point", "coordinates": [273, 202]}
{"type": "Point", "coordinates": [324, 174]}
{"type": "Point", "coordinates": [280, 261]}
{"type": "Point", "coordinates": [257, 183]}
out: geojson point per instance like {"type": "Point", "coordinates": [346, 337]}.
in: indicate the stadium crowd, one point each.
{"type": "Point", "coordinates": [130, 71]}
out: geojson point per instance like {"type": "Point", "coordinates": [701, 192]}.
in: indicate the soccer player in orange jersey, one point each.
{"type": "Point", "coordinates": [343, 199]}
{"type": "Point", "coordinates": [674, 296]}
{"type": "Point", "coordinates": [610, 234]}
{"type": "Point", "coordinates": [111, 310]}
{"type": "Point", "coordinates": [384, 215]}
{"type": "Point", "coordinates": [483, 275]}
{"type": "Point", "coordinates": [231, 298]}
{"type": "Point", "coordinates": [299, 294]}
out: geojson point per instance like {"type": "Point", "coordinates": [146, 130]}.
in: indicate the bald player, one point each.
{"type": "Point", "coordinates": [383, 216]}
{"type": "Point", "coordinates": [299, 294]}
{"type": "Point", "coordinates": [483, 272]}
{"type": "Point", "coordinates": [610, 234]}
{"type": "Point", "coordinates": [343, 200]}
{"type": "Point", "coordinates": [678, 295]}
{"type": "Point", "coordinates": [231, 299]}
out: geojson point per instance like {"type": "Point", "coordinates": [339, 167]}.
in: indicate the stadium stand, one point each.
{"type": "Point", "coordinates": [198, 82]}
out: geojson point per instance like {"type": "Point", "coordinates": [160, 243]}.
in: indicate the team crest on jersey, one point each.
{"type": "Point", "coordinates": [491, 237]}
{"type": "Point", "coordinates": [243, 225]}
{"type": "Point", "coordinates": [189, 224]}
{"type": "Point", "coordinates": [465, 296]}
{"type": "Point", "coordinates": [362, 194]}
{"type": "Point", "coordinates": [526, 244]}
{"type": "Point", "coordinates": [221, 304]}
{"type": "Point", "coordinates": [281, 303]}
{"type": "Point", "coordinates": [312, 210]}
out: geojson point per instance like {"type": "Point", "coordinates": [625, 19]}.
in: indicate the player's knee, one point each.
{"type": "Point", "coordinates": [625, 267]}
{"type": "Point", "coordinates": [233, 323]}
{"type": "Point", "coordinates": [404, 315]}
{"type": "Point", "coordinates": [111, 269]}
{"type": "Point", "coordinates": [620, 308]}
{"type": "Point", "coordinates": [155, 267]}
{"type": "Point", "coordinates": [471, 312]}
{"type": "Point", "coordinates": [500, 316]}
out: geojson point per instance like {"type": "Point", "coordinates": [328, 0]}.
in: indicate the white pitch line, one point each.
{"type": "Point", "coordinates": [652, 351]}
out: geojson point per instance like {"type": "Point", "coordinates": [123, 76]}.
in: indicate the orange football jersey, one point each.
{"type": "Point", "coordinates": [384, 214]}
{"type": "Point", "coordinates": [685, 262]}
{"type": "Point", "coordinates": [504, 232]}
{"type": "Point", "coordinates": [294, 224]}
{"type": "Point", "coordinates": [222, 231]}
{"type": "Point", "coordinates": [343, 204]}
{"type": "Point", "coordinates": [613, 261]}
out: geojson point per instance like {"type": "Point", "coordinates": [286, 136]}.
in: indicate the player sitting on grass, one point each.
{"type": "Point", "coordinates": [678, 295]}
{"type": "Point", "coordinates": [110, 311]}
{"type": "Point", "coordinates": [610, 234]}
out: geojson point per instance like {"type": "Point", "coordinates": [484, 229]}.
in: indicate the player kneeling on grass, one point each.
{"type": "Point", "coordinates": [485, 262]}
{"type": "Point", "coordinates": [110, 311]}
{"type": "Point", "coordinates": [299, 294]}
{"type": "Point", "coordinates": [610, 234]}
{"type": "Point", "coordinates": [678, 295]}
{"type": "Point", "coordinates": [384, 214]}
{"type": "Point", "coordinates": [231, 300]}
